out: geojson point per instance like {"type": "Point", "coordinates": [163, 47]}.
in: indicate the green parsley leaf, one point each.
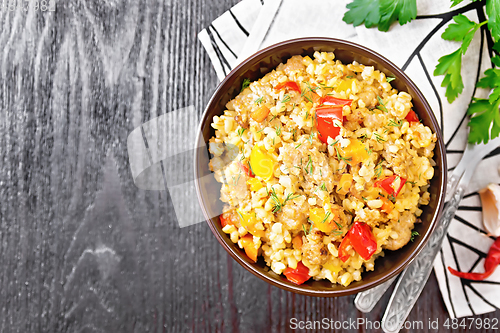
{"type": "Point", "coordinates": [390, 78]}
{"type": "Point", "coordinates": [457, 31]}
{"type": "Point", "coordinates": [485, 119]}
{"type": "Point", "coordinates": [450, 66]}
{"type": "Point", "coordinates": [245, 84]}
{"type": "Point", "coordinates": [493, 12]}
{"type": "Point", "coordinates": [462, 30]}
{"type": "Point", "coordinates": [360, 11]}
{"type": "Point", "coordinates": [396, 10]}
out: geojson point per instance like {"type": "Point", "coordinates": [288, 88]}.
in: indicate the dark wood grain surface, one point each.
{"type": "Point", "coordinates": [82, 249]}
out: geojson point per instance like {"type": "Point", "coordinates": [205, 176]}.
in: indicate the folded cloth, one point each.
{"type": "Point", "coordinates": [416, 48]}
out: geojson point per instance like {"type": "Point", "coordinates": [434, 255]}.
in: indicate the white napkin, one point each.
{"type": "Point", "coordinates": [415, 47]}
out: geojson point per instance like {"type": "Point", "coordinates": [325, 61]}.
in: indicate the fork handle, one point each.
{"type": "Point", "coordinates": [414, 277]}
{"type": "Point", "coordinates": [365, 301]}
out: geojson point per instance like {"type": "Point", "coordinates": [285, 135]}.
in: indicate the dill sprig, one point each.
{"type": "Point", "coordinates": [285, 99]}
{"type": "Point", "coordinates": [378, 170]}
{"type": "Point", "coordinates": [342, 158]}
{"type": "Point", "coordinates": [327, 215]}
{"type": "Point", "coordinates": [277, 202]}
{"type": "Point", "coordinates": [379, 138]}
{"type": "Point", "coordinates": [240, 131]}
{"type": "Point", "coordinates": [259, 100]}
{"type": "Point", "coordinates": [309, 166]}
{"type": "Point", "coordinates": [382, 105]}
{"type": "Point", "coordinates": [394, 123]}
{"type": "Point", "coordinates": [245, 84]}
{"type": "Point", "coordinates": [278, 130]}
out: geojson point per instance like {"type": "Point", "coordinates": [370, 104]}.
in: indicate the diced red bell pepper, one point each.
{"type": "Point", "coordinates": [412, 117]}
{"type": "Point", "coordinates": [298, 275]}
{"type": "Point", "coordinates": [343, 254]}
{"type": "Point", "coordinates": [387, 184]}
{"type": "Point", "coordinates": [290, 85]}
{"type": "Point", "coordinates": [325, 118]}
{"type": "Point", "coordinates": [330, 100]}
{"type": "Point", "coordinates": [224, 220]}
{"type": "Point", "coordinates": [361, 238]}
{"type": "Point", "coordinates": [490, 264]}
{"type": "Point", "coordinates": [246, 170]}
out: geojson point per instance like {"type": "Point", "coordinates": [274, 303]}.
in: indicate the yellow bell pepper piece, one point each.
{"type": "Point", "coordinates": [344, 85]}
{"type": "Point", "coordinates": [248, 221]}
{"type": "Point", "coordinates": [332, 267]}
{"type": "Point", "coordinates": [344, 184]}
{"type": "Point", "coordinates": [262, 163]}
{"type": "Point", "coordinates": [255, 184]}
{"type": "Point", "coordinates": [322, 220]}
{"type": "Point", "coordinates": [355, 152]}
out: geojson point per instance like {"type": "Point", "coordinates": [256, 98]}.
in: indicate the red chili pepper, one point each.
{"type": "Point", "coordinates": [325, 119]}
{"type": "Point", "coordinates": [330, 100]}
{"type": "Point", "coordinates": [343, 255]}
{"type": "Point", "coordinates": [298, 275]}
{"type": "Point", "coordinates": [361, 238]}
{"type": "Point", "coordinates": [290, 85]}
{"type": "Point", "coordinates": [490, 264]}
{"type": "Point", "coordinates": [412, 117]}
{"type": "Point", "coordinates": [387, 184]}
{"type": "Point", "coordinates": [246, 170]}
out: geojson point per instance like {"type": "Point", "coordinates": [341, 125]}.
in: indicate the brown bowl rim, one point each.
{"type": "Point", "coordinates": [440, 142]}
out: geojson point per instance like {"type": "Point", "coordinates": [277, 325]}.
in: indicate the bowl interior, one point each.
{"type": "Point", "coordinates": [256, 67]}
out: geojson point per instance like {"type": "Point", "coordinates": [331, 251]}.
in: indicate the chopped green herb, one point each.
{"type": "Point", "coordinates": [327, 215]}
{"type": "Point", "coordinates": [309, 166]}
{"type": "Point", "coordinates": [240, 131]}
{"type": "Point", "coordinates": [390, 78]}
{"type": "Point", "coordinates": [307, 114]}
{"type": "Point", "coordinates": [413, 234]}
{"type": "Point", "coordinates": [394, 123]}
{"type": "Point", "coordinates": [323, 187]}
{"type": "Point", "coordinates": [297, 146]}
{"type": "Point", "coordinates": [285, 99]}
{"type": "Point", "coordinates": [311, 136]}
{"type": "Point", "coordinates": [378, 138]}
{"type": "Point", "coordinates": [278, 130]}
{"type": "Point", "coordinates": [378, 170]}
{"type": "Point", "coordinates": [382, 105]}
{"type": "Point", "coordinates": [245, 84]}
{"type": "Point", "coordinates": [259, 100]}
{"type": "Point", "coordinates": [277, 203]}
{"type": "Point", "coordinates": [294, 133]}
{"type": "Point", "coordinates": [342, 158]}
{"type": "Point", "coordinates": [338, 225]}
{"type": "Point", "coordinates": [305, 231]}
{"type": "Point", "coordinates": [334, 143]}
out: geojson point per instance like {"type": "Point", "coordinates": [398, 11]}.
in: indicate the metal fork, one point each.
{"type": "Point", "coordinates": [412, 280]}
